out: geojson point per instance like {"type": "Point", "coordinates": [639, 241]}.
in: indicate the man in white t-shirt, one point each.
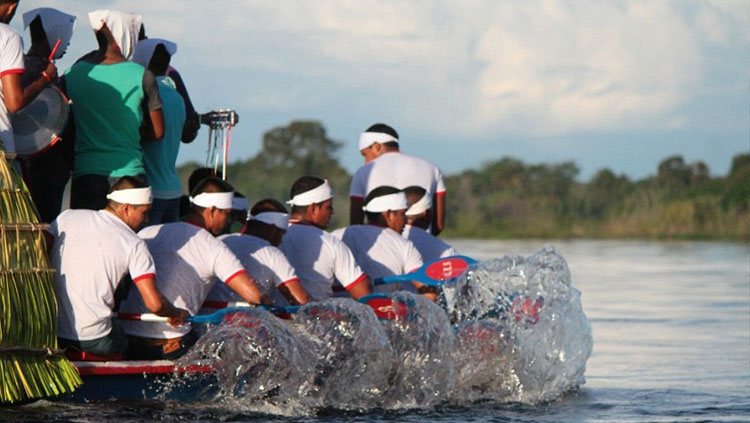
{"type": "Point", "coordinates": [418, 218]}
{"type": "Point", "coordinates": [385, 165]}
{"type": "Point", "coordinates": [319, 258]}
{"type": "Point", "coordinates": [189, 260]}
{"type": "Point", "coordinates": [91, 252]}
{"type": "Point", "coordinates": [379, 247]}
{"type": "Point", "coordinates": [256, 247]}
{"type": "Point", "coordinates": [12, 96]}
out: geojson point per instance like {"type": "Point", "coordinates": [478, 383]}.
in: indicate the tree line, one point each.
{"type": "Point", "coordinates": [507, 198]}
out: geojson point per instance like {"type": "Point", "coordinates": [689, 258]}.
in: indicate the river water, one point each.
{"type": "Point", "coordinates": [671, 343]}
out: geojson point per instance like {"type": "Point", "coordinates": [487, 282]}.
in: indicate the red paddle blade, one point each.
{"type": "Point", "coordinates": [447, 268]}
{"type": "Point", "coordinates": [387, 308]}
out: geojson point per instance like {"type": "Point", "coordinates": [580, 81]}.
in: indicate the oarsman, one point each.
{"type": "Point", "coordinates": [379, 247]}
{"type": "Point", "coordinates": [257, 249]}
{"type": "Point", "coordinates": [318, 257]}
{"type": "Point", "coordinates": [159, 158]}
{"type": "Point", "coordinates": [47, 172]}
{"type": "Point", "coordinates": [385, 165]}
{"type": "Point", "coordinates": [91, 253]}
{"type": "Point", "coordinates": [13, 97]}
{"type": "Point", "coordinates": [111, 98]}
{"type": "Point", "coordinates": [239, 214]}
{"type": "Point", "coordinates": [418, 218]}
{"type": "Point", "coordinates": [189, 260]}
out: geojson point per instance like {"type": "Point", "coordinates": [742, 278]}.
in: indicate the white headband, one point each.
{"type": "Point", "coordinates": [134, 196]}
{"type": "Point", "coordinates": [239, 203]}
{"type": "Point", "coordinates": [424, 204]}
{"type": "Point", "coordinates": [314, 196]}
{"type": "Point", "coordinates": [220, 200]}
{"type": "Point", "coordinates": [57, 26]}
{"type": "Point", "coordinates": [280, 220]}
{"type": "Point", "coordinates": [123, 26]}
{"type": "Point", "coordinates": [144, 50]}
{"type": "Point", "coordinates": [395, 201]}
{"type": "Point", "coordinates": [366, 139]}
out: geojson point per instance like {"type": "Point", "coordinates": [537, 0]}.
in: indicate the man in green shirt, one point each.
{"type": "Point", "coordinates": [109, 95]}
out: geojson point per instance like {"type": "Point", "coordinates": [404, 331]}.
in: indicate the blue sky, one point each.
{"type": "Point", "coordinates": [620, 85]}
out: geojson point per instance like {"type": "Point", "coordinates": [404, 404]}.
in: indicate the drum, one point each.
{"type": "Point", "coordinates": [38, 126]}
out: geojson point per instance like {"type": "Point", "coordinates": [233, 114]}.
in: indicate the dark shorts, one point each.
{"type": "Point", "coordinates": [114, 342]}
{"type": "Point", "coordinates": [90, 191]}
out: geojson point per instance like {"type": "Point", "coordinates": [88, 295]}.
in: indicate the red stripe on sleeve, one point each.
{"type": "Point", "coordinates": [440, 194]}
{"type": "Point", "coordinates": [239, 272]}
{"type": "Point", "coordinates": [11, 71]}
{"type": "Point", "coordinates": [147, 275]}
{"type": "Point", "coordinates": [289, 281]}
{"type": "Point", "coordinates": [356, 282]}
{"type": "Point", "coordinates": [356, 197]}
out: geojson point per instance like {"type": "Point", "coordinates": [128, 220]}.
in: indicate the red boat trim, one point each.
{"type": "Point", "coordinates": [111, 368]}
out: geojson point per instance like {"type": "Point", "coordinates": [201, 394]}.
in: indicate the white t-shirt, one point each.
{"type": "Point", "coordinates": [398, 170]}
{"type": "Point", "coordinates": [188, 261]}
{"type": "Point", "coordinates": [92, 251]}
{"type": "Point", "coordinates": [381, 252]}
{"type": "Point", "coordinates": [264, 262]}
{"type": "Point", "coordinates": [320, 259]}
{"type": "Point", "coordinates": [11, 61]}
{"type": "Point", "coordinates": [430, 246]}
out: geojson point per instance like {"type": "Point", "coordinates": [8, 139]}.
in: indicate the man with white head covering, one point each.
{"type": "Point", "coordinates": [386, 165]}
{"type": "Point", "coordinates": [418, 218]}
{"type": "Point", "coordinates": [13, 96]}
{"type": "Point", "coordinates": [48, 172]}
{"type": "Point", "coordinates": [379, 247]}
{"type": "Point", "coordinates": [160, 157]}
{"type": "Point", "coordinates": [319, 258]}
{"type": "Point", "coordinates": [257, 249]}
{"type": "Point", "coordinates": [112, 97]}
{"type": "Point", "coordinates": [91, 252]}
{"type": "Point", "coordinates": [189, 260]}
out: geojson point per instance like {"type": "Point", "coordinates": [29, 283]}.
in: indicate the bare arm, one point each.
{"type": "Point", "coordinates": [356, 214]}
{"type": "Point", "coordinates": [157, 304]}
{"type": "Point", "coordinates": [294, 293]}
{"type": "Point", "coordinates": [16, 97]}
{"type": "Point", "coordinates": [438, 217]}
{"type": "Point", "coordinates": [246, 288]}
{"type": "Point", "coordinates": [153, 130]}
{"type": "Point", "coordinates": [361, 289]}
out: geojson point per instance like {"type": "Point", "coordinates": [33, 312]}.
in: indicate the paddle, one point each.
{"type": "Point", "coordinates": [436, 272]}
{"type": "Point", "coordinates": [215, 318]}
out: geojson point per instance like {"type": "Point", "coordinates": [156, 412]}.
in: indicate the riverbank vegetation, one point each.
{"type": "Point", "coordinates": [507, 198]}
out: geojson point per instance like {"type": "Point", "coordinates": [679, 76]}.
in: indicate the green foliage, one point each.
{"type": "Point", "coordinates": [507, 198]}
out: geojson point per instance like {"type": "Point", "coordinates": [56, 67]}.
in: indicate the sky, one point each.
{"type": "Point", "coordinates": [607, 84]}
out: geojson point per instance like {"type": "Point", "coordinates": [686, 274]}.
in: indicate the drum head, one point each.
{"type": "Point", "coordinates": [37, 126]}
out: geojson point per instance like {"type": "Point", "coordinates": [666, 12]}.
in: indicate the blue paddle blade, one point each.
{"type": "Point", "coordinates": [219, 316]}
{"type": "Point", "coordinates": [434, 273]}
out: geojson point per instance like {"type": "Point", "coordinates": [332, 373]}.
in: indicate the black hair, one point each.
{"type": "Point", "coordinates": [267, 205]}
{"type": "Point", "coordinates": [200, 174]}
{"type": "Point", "coordinates": [304, 184]}
{"type": "Point", "coordinates": [377, 217]}
{"type": "Point", "coordinates": [128, 182]}
{"type": "Point", "coordinates": [381, 127]}
{"type": "Point", "coordinates": [159, 60]}
{"type": "Point", "coordinates": [414, 193]}
{"type": "Point", "coordinates": [211, 184]}
{"type": "Point", "coordinates": [36, 30]}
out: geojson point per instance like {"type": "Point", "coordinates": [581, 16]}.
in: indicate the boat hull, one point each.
{"type": "Point", "coordinates": [138, 380]}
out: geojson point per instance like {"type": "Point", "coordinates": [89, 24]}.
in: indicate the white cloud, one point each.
{"type": "Point", "coordinates": [536, 67]}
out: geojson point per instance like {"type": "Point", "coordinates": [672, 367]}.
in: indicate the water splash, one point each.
{"type": "Point", "coordinates": [537, 313]}
{"type": "Point", "coordinates": [511, 330]}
